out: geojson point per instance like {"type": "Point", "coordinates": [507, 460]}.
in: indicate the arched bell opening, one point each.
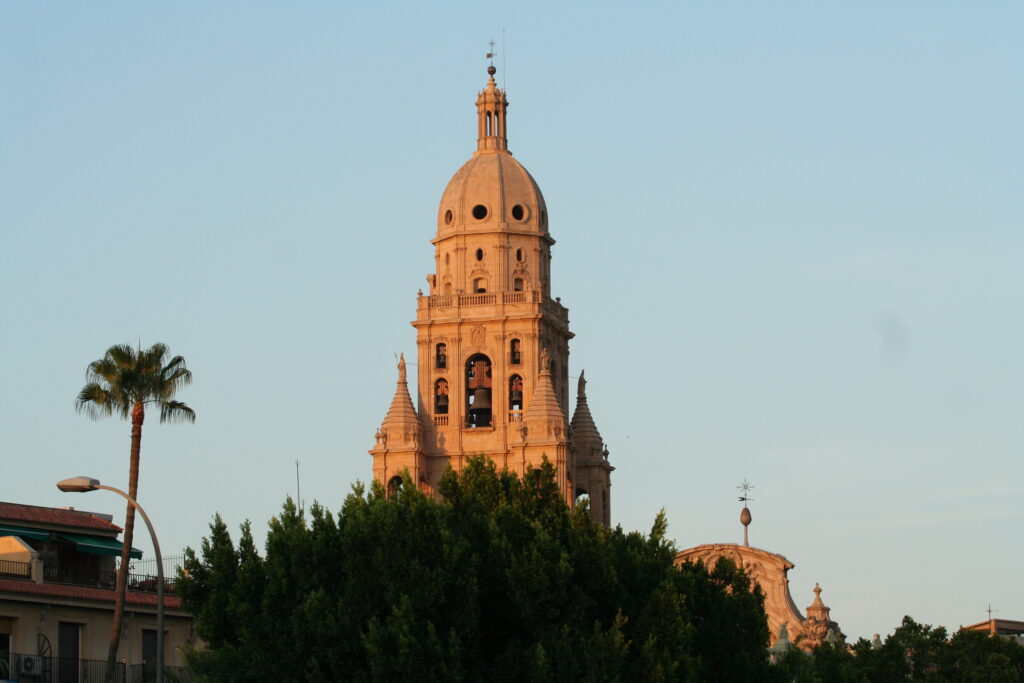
{"type": "Point", "coordinates": [478, 391]}
{"type": "Point", "coordinates": [515, 392]}
{"type": "Point", "coordinates": [441, 397]}
{"type": "Point", "coordinates": [582, 497]}
{"type": "Point", "coordinates": [441, 356]}
{"type": "Point", "coordinates": [515, 352]}
{"type": "Point", "coordinates": [517, 284]}
{"type": "Point", "coordinates": [394, 484]}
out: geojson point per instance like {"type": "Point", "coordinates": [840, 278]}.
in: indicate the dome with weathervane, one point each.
{"type": "Point", "coordinates": [492, 191]}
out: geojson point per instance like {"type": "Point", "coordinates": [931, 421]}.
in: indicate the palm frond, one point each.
{"type": "Point", "coordinates": [176, 411]}
{"type": "Point", "coordinates": [123, 355]}
{"type": "Point", "coordinates": [94, 401]}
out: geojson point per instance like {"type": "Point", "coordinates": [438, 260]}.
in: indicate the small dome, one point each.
{"type": "Point", "coordinates": [492, 191]}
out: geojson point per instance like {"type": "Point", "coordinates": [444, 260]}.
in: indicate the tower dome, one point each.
{"type": "Point", "coordinates": [492, 191]}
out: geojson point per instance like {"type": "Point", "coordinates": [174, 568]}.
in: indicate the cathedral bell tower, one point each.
{"type": "Point", "coordinates": [492, 345]}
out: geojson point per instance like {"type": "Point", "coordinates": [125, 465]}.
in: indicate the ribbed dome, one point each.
{"type": "Point", "coordinates": [507, 193]}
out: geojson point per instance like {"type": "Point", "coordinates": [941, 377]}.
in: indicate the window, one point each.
{"type": "Point", "coordinates": [479, 285]}
{"type": "Point", "coordinates": [479, 212]}
{"type": "Point", "coordinates": [519, 254]}
{"type": "Point", "coordinates": [517, 284]}
{"type": "Point", "coordinates": [448, 217]}
{"type": "Point", "coordinates": [479, 254]}
{"type": "Point", "coordinates": [478, 391]}
{"type": "Point", "coordinates": [517, 212]}
{"type": "Point", "coordinates": [515, 353]}
{"type": "Point", "coordinates": [515, 392]}
{"type": "Point", "coordinates": [441, 356]}
{"type": "Point", "coordinates": [441, 397]}
{"type": "Point", "coordinates": [394, 484]}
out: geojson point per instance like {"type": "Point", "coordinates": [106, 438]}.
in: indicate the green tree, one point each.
{"type": "Point", "coordinates": [124, 382]}
{"type": "Point", "coordinates": [499, 581]}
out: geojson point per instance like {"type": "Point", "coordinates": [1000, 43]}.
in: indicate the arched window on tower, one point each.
{"type": "Point", "coordinates": [515, 352]}
{"type": "Point", "coordinates": [487, 124]}
{"type": "Point", "coordinates": [515, 393]}
{"type": "Point", "coordinates": [582, 497]}
{"type": "Point", "coordinates": [441, 397]}
{"type": "Point", "coordinates": [478, 391]}
{"type": "Point", "coordinates": [479, 285]}
{"type": "Point", "coordinates": [394, 484]}
{"type": "Point", "coordinates": [441, 356]}
{"type": "Point", "coordinates": [517, 284]}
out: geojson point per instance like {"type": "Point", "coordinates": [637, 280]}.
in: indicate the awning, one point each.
{"type": "Point", "coordinates": [99, 546]}
{"type": "Point", "coordinates": [36, 534]}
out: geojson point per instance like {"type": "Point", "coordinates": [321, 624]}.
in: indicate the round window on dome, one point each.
{"type": "Point", "coordinates": [479, 212]}
{"type": "Point", "coordinates": [448, 217]}
{"type": "Point", "coordinates": [518, 212]}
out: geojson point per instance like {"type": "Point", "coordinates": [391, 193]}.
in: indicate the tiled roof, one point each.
{"type": "Point", "coordinates": [72, 519]}
{"type": "Point", "coordinates": [57, 590]}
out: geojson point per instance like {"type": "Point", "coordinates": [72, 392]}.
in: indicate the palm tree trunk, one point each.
{"type": "Point", "coordinates": [138, 415]}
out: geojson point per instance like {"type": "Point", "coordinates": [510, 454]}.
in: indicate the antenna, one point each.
{"type": "Point", "coordinates": [298, 489]}
{"type": "Point", "coordinates": [990, 611]}
{"type": "Point", "coordinates": [504, 69]}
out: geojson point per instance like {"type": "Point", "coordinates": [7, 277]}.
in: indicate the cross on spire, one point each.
{"type": "Point", "coordinates": [491, 52]}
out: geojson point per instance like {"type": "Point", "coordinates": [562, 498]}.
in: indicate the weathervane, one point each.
{"type": "Point", "coordinates": [745, 516]}
{"type": "Point", "coordinates": [491, 53]}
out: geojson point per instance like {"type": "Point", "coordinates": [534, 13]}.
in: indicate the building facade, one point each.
{"type": "Point", "coordinates": [57, 572]}
{"type": "Point", "coordinates": [492, 366]}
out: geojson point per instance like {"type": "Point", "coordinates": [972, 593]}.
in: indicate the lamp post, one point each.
{"type": "Point", "coordinates": [84, 484]}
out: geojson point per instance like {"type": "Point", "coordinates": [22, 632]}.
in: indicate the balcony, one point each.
{"type": "Point", "coordinates": [45, 669]}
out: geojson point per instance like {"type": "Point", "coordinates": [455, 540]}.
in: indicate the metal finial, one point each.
{"type": "Point", "coordinates": [745, 487]}
{"type": "Point", "coordinates": [490, 56]}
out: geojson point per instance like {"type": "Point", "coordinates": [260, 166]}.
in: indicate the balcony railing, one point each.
{"type": "Point", "coordinates": [76, 576]}
{"type": "Point", "coordinates": [440, 420]}
{"type": "Point", "coordinates": [16, 569]}
{"type": "Point", "coordinates": [515, 416]}
{"type": "Point", "coordinates": [38, 669]}
{"type": "Point", "coordinates": [449, 300]}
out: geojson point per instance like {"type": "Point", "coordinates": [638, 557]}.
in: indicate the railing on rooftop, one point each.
{"type": "Point", "coordinates": [101, 578]}
{"type": "Point", "coordinates": [16, 569]}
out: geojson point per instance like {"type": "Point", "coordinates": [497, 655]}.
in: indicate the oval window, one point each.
{"type": "Point", "coordinates": [519, 254]}
{"type": "Point", "coordinates": [517, 212]}
{"type": "Point", "coordinates": [448, 217]}
{"type": "Point", "coordinates": [479, 212]}
{"type": "Point", "coordinates": [479, 254]}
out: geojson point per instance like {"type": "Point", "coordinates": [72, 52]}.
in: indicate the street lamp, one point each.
{"type": "Point", "coordinates": [84, 484]}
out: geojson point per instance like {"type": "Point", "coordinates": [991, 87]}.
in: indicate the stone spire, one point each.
{"type": "Point", "coordinates": [817, 609]}
{"type": "Point", "coordinates": [401, 424]}
{"type": "Point", "coordinates": [544, 417]}
{"type": "Point", "coordinates": [585, 436]}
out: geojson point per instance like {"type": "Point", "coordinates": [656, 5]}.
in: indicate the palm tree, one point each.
{"type": "Point", "coordinates": [124, 381]}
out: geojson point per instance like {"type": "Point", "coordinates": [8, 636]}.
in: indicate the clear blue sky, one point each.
{"type": "Point", "coordinates": [808, 216]}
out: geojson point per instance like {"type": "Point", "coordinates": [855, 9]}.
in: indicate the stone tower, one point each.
{"type": "Point", "coordinates": [492, 345]}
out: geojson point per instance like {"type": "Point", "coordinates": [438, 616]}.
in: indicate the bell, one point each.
{"type": "Point", "coordinates": [481, 400]}
{"type": "Point", "coordinates": [442, 403]}
{"type": "Point", "coordinates": [516, 396]}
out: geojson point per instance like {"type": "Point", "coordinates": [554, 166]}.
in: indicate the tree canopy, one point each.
{"type": "Point", "coordinates": [917, 652]}
{"type": "Point", "coordinates": [498, 581]}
